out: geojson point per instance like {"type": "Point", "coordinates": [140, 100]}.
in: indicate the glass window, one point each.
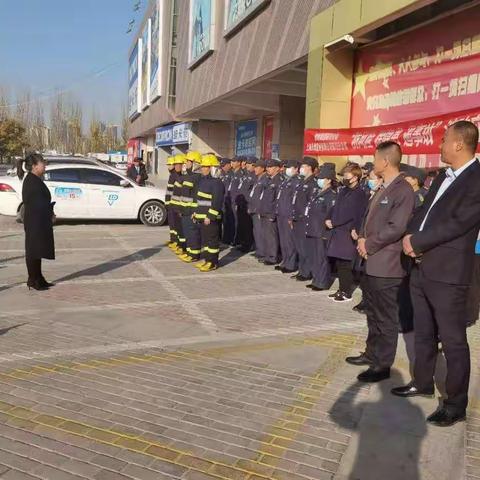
{"type": "Point", "coordinates": [100, 177]}
{"type": "Point", "coordinates": [71, 175]}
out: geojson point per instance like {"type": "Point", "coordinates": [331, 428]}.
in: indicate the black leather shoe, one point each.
{"type": "Point", "coordinates": [44, 283]}
{"type": "Point", "coordinates": [286, 270]}
{"type": "Point", "coordinates": [279, 267]}
{"type": "Point", "coordinates": [301, 278]}
{"type": "Point", "coordinates": [359, 360]}
{"type": "Point", "coordinates": [269, 263]}
{"type": "Point", "coordinates": [444, 418]}
{"type": "Point", "coordinates": [360, 308]}
{"type": "Point", "coordinates": [314, 288]}
{"type": "Point", "coordinates": [373, 375]}
{"type": "Point", "coordinates": [411, 390]}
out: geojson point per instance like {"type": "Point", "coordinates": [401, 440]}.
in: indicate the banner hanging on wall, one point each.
{"type": "Point", "coordinates": [133, 88]}
{"type": "Point", "coordinates": [145, 84]}
{"type": "Point", "coordinates": [246, 138]}
{"type": "Point", "coordinates": [415, 137]}
{"type": "Point", "coordinates": [156, 51]}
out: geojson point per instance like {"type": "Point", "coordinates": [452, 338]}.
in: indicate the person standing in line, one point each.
{"type": "Point", "coordinates": [267, 212]}
{"type": "Point", "coordinates": [176, 204]}
{"type": "Point", "coordinates": [137, 172]}
{"type": "Point", "coordinates": [208, 211]}
{"type": "Point", "coordinates": [346, 219]}
{"type": "Point", "coordinates": [191, 230]}
{"type": "Point", "coordinates": [380, 245]}
{"type": "Point", "coordinates": [228, 220]}
{"type": "Point", "coordinates": [168, 196]}
{"type": "Point", "coordinates": [301, 197]}
{"type": "Point", "coordinates": [234, 188]}
{"type": "Point", "coordinates": [441, 238]}
{"type": "Point", "coordinates": [38, 220]}
{"type": "Point", "coordinates": [317, 211]}
{"type": "Point", "coordinates": [253, 206]}
{"type": "Point", "coordinates": [242, 195]}
{"type": "Point", "coordinates": [284, 214]}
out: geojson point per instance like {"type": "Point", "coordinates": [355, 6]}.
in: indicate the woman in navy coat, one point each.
{"type": "Point", "coordinates": [347, 216]}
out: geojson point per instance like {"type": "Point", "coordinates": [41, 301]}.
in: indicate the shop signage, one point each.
{"type": "Point", "coordinates": [177, 134]}
{"type": "Point", "coordinates": [246, 138]}
{"type": "Point", "coordinates": [415, 137]}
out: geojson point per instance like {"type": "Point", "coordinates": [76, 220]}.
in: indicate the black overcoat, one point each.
{"type": "Point", "coordinates": [38, 224]}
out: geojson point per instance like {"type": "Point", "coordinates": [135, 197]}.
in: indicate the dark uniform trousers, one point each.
{"type": "Point", "coordinates": [192, 235]}
{"type": "Point", "coordinates": [181, 239]}
{"type": "Point", "coordinates": [304, 268]}
{"type": "Point", "coordinates": [210, 239]}
{"type": "Point", "coordinates": [228, 222]}
{"type": "Point", "coordinates": [271, 245]}
{"type": "Point", "coordinates": [319, 262]}
{"type": "Point", "coordinates": [287, 244]}
{"type": "Point", "coordinates": [258, 236]}
{"type": "Point", "coordinates": [381, 305]}
{"type": "Point", "coordinates": [244, 226]}
{"type": "Point", "coordinates": [474, 297]}
{"type": "Point", "coordinates": [440, 311]}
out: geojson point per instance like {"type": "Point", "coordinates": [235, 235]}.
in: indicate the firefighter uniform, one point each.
{"type": "Point", "coordinates": [168, 196]}
{"type": "Point", "coordinates": [268, 218]}
{"type": "Point", "coordinates": [176, 206]}
{"type": "Point", "coordinates": [284, 214]}
{"type": "Point", "coordinates": [301, 197]}
{"type": "Point", "coordinates": [317, 212]}
{"type": "Point", "coordinates": [253, 207]}
{"type": "Point", "coordinates": [209, 203]}
{"type": "Point", "coordinates": [191, 230]}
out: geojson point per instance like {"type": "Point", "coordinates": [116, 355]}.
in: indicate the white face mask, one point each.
{"type": "Point", "coordinates": [290, 172]}
{"type": "Point", "coordinates": [303, 172]}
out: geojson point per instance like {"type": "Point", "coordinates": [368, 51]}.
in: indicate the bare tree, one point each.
{"type": "Point", "coordinates": [4, 103]}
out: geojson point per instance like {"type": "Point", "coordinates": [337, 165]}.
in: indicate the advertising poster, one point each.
{"type": "Point", "coordinates": [200, 28]}
{"type": "Point", "coordinates": [146, 65]}
{"type": "Point", "coordinates": [156, 51]}
{"type": "Point", "coordinates": [133, 88]}
{"type": "Point", "coordinates": [267, 137]}
{"type": "Point", "coordinates": [246, 138]}
{"type": "Point", "coordinates": [237, 10]}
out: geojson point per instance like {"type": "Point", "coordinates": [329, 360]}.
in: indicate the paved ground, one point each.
{"type": "Point", "coordinates": [136, 366]}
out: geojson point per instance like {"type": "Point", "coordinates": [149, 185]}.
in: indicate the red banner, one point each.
{"type": "Point", "coordinates": [133, 149]}
{"type": "Point", "coordinates": [267, 137]}
{"type": "Point", "coordinates": [415, 137]}
{"type": "Point", "coordinates": [432, 70]}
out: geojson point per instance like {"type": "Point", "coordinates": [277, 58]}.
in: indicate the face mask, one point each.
{"type": "Point", "coordinates": [303, 172]}
{"type": "Point", "coordinates": [321, 183]}
{"type": "Point", "coordinates": [372, 184]}
{"type": "Point", "coordinates": [290, 172]}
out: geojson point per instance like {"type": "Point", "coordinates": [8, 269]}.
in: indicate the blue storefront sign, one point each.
{"type": "Point", "coordinates": [177, 134]}
{"type": "Point", "coordinates": [246, 138]}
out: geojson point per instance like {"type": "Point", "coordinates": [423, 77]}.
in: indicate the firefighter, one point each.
{"type": "Point", "coordinates": [168, 195]}
{"type": "Point", "coordinates": [191, 230]}
{"type": "Point", "coordinates": [208, 211]}
{"type": "Point", "coordinates": [176, 204]}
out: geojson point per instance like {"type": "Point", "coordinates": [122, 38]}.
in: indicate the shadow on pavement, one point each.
{"type": "Point", "coordinates": [4, 331]}
{"type": "Point", "coordinates": [112, 265]}
{"type": "Point", "coordinates": [232, 256]}
{"type": "Point", "coordinates": [389, 434]}
{"type": "Point", "coordinates": [9, 259]}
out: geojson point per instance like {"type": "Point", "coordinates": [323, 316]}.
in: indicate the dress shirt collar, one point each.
{"type": "Point", "coordinates": [453, 174]}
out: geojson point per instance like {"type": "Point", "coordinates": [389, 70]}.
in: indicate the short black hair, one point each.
{"type": "Point", "coordinates": [394, 148]}
{"type": "Point", "coordinates": [469, 133]}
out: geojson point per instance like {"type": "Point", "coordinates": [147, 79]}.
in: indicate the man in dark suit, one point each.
{"type": "Point", "coordinates": [137, 172]}
{"type": "Point", "coordinates": [441, 239]}
{"type": "Point", "coordinates": [380, 245]}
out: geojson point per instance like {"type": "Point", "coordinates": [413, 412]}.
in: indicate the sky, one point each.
{"type": "Point", "coordinates": [49, 44]}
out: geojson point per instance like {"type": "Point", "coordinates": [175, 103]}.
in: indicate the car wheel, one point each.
{"type": "Point", "coordinates": [153, 213]}
{"type": "Point", "coordinates": [21, 214]}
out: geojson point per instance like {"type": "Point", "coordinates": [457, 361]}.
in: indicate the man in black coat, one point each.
{"type": "Point", "coordinates": [137, 172]}
{"type": "Point", "coordinates": [441, 239]}
{"type": "Point", "coordinates": [380, 245]}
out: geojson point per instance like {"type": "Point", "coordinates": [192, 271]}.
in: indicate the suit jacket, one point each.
{"type": "Point", "coordinates": [384, 226]}
{"type": "Point", "coordinates": [132, 174]}
{"type": "Point", "coordinates": [447, 241]}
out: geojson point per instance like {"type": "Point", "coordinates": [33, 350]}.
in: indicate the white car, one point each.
{"type": "Point", "coordinates": [95, 192]}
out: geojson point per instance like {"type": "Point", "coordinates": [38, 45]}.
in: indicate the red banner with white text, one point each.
{"type": "Point", "coordinates": [415, 137]}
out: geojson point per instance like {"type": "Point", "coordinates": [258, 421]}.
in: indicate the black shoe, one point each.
{"type": "Point", "coordinates": [260, 260]}
{"type": "Point", "coordinates": [334, 294]}
{"type": "Point", "coordinates": [269, 263]}
{"type": "Point", "coordinates": [411, 390]}
{"type": "Point", "coordinates": [342, 297]}
{"type": "Point", "coordinates": [44, 283]}
{"type": "Point", "coordinates": [360, 308]}
{"type": "Point", "coordinates": [301, 278]}
{"type": "Point", "coordinates": [286, 270]}
{"type": "Point", "coordinates": [373, 375]}
{"type": "Point", "coordinates": [444, 418]}
{"type": "Point", "coordinates": [36, 286]}
{"type": "Point", "coordinates": [279, 267]}
{"type": "Point", "coordinates": [314, 288]}
{"type": "Point", "coordinates": [359, 360]}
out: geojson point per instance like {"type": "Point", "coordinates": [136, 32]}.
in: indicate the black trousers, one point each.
{"type": "Point", "coordinates": [304, 268]}
{"type": "Point", "coordinates": [171, 224]}
{"type": "Point", "coordinates": [320, 263]}
{"type": "Point", "coordinates": [287, 244]}
{"type": "Point", "coordinates": [210, 239]}
{"type": "Point", "coordinates": [381, 297]}
{"type": "Point", "coordinates": [440, 311]}
{"type": "Point", "coordinates": [34, 268]}
{"type": "Point", "coordinates": [191, 231]}
{"type": "Point", "coordinates": [345, 275]}
{"type": "Point", "coordinates": [244, 227]}
{"type": "Point", "coordinates": [181, 240]}
{"type": "Point", "coordinates": [474, 297]}
{"type": "Point", "coordinates": [258, 236]}
{"type": "Point", "coordinates": [271, 243]}
{"type": "Point", "coordinates": [228, 223]}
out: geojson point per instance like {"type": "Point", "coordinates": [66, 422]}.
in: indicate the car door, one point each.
{"type": "Point", "coordinates": [107, 198]}
{"type": "Point", "coordinates": [68, 192]}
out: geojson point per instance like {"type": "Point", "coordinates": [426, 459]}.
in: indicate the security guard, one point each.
{"type": "Point", "coordinates": [284, 213]}
{"type": "Point", "coordinates": [191, 230]}
{"type": "Point", "coordinates": [253, 208]}
{"type": "Point", "coordinates": [301, 197]}
{"type": "Point", "coordinates": [168, 195]}
{"type": "Point", "coordinates": [177, 204]}
{"type": "Point", "coordinates": [228, 220]}
{"type": "Point", "coordinates": [242, 197]}
{"type": "Point", "coordinates": [267, 210]}
{"type": "Point", "coordinates": [317, 212]}
{"type": "Point", "coordinates": [233, 191]}
{"type": "Point", "coordinates": [208, 212]}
